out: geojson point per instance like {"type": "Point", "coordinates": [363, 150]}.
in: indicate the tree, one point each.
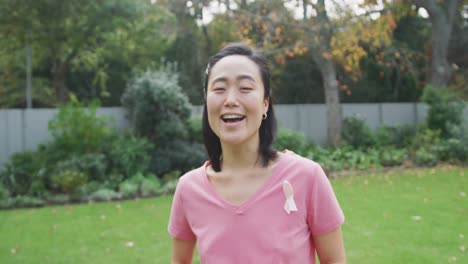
{"type": "Point", "coordinates": [65, 29]}
{"type": "Point", "coordinates": [442, 15]}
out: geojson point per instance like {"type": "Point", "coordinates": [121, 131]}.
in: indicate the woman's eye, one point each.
{"type": "Point", "coordinates": [218, 89]}
{"type": "Point", "coordinates": [246, 88]}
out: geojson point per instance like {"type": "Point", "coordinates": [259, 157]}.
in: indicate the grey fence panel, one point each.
{"type": "Point", "coordinates": [4, 147]}
{"type": "Point", "coordinates": [36, 127]}
{"type": "Point", "coordinates": [24, 129]}
{"type": "Point", "coordinates": [399, 114]}
{"type": "Point", "coordinates": [117, 116]}
{"type": "Point", "coordinates": [312, 120]}
{"type": "Point", "coordinates": [370, 112]}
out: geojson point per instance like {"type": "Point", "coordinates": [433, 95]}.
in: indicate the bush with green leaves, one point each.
{"type": "Point", "coordinates": [392, 157]}
{"type": "Point", "coordinates": [178, 155]}
{"type": "Point", "coordinates": [68, 180]}
{"type": "Point", "coordinates": [150, 185]}
{"type": "Point", "coordinates": [21, 201]}
{"type": "Point", "coordinates": [423, 157]}
{"type": "Point", "coordinates": [399, 136]}
{"type": "Point", "coordinates": [19, 174]}
{"type": "Point", "coordinates": [445, 109]}
{"type": "Point", "coordinates": [156, 106]}
{"type": "Point", "coordinates": [195, 129]}
{"type": "Point", "coordinates": [292, 140]}
{"type": "Point", "coordinates": [77, 130]}
{"type": "Point", "coordinates": [129, 155]}
{"type": "Point", "coordinates": [104, 195]}
{"type": "Point", "coordinates": [357, 133]}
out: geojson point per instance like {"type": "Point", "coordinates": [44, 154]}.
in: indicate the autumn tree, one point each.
{"type": "Point", "coordinates": [442, 15]}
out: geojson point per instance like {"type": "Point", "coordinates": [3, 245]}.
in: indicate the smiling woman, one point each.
{"type": "Point", "coordinates": [250, 203]}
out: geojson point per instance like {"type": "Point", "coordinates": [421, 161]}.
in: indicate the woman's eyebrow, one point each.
{"type": "Point", "coordinates": [239, 78]}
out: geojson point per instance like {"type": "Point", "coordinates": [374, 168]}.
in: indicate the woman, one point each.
{"type": "Point", "coordinates": [250, 203]}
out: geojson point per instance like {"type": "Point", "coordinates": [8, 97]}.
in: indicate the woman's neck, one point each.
{"type": "Point", "coordinates": [239, 156]}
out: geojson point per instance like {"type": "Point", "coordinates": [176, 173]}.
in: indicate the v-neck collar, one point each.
{"type": "Point", "coordinates": [239, 208]}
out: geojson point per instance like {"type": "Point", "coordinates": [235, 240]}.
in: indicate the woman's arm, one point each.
{"type": "Point", "coordinates": [182, 251]}
{"type": "Point", "coordinates": [330, 247]}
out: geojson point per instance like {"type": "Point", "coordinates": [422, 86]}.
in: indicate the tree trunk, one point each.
{"type": "Point", "coordinates": [327, 70]}
{"type": "Point", "coordinates": [442, 18]}
{"type": "Point", "coordinates": [332, 100]}
{"type": "Point", "coordinates": [58, 81]}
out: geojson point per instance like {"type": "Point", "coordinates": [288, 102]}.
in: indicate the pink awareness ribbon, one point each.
{"type": "Point", "coordinates": [289, 205]}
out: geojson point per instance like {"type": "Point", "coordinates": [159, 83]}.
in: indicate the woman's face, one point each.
{"type": "Point", "coordinates": [235, 100]}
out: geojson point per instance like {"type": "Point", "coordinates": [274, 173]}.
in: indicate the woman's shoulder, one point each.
{"type": "Point", "coordinates": [302, 166]}
{"type": "Point", "coordinates": [192, 177]}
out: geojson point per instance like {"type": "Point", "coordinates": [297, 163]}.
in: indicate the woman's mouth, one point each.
{"type": "Point", "coordinates": [232, 118]}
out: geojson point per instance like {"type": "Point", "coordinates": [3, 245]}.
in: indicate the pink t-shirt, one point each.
{"type": "Point", "coordinates": [259, 230]}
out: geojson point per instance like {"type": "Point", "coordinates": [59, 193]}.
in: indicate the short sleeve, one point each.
{"type": "Point", "coordinates": [179, 226]}
{"type": "Point", "coordinates": [324, 213]}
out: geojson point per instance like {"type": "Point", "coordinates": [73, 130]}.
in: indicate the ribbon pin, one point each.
{"type": "Point", "coordinates": [289, 205]}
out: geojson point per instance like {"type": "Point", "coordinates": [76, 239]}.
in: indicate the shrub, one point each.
{"type": "Point", "coordinates": [425, 138]}
{"type": "Point", "coordinates": [171, 176]}
{"type": "Point", "coordinates": [150, 185]}
{"type": "Point", "coordinates": [4, 193]}
{"type": "Point", "coordinates": [104, 195]}
{"type": "Point", "coordinates": [77, 130]}
{"type": "Point", "coordinates": [356, 133]}
{"type": "Point", "coordinates": [398, 136]}
{"type": "Point", "coordinates": [68, 181]}
{"type": "Point", "coordinates": [129, 155]}
{"type": "Point", "coordinates": [292, 140]}
{"type": "Point", "coordinates": [423, 157]}
{"type": "Point", "coordinates": [19, 173]}
{"type": "Point", "coordinates": [179, 155]}
{"type": "Point", "coordinates": [128, 189]}
{"type": "Point", "coordinates": [195, 129]}
{"type": "Point", "coordinates": [157, 107]}
{"type": "Point", "coordinates": [392, 157]}
{"type": "Point", "coordinates": [24, 201]}
{"type": "Point", "coordinates": [445, 109]}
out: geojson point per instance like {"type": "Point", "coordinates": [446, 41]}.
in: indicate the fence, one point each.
{"type": "Point", "coordinates": [22, 129]}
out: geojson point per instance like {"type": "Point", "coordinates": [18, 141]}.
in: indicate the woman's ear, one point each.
{"type": "Point", "coordinates": [266, 104]}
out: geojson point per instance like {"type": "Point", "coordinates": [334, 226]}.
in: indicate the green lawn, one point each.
{"type": "Point", "coordinates": [409, 216]}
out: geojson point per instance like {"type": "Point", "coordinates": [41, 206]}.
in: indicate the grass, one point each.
{"type": "Point", "coordinates": [407, 216]}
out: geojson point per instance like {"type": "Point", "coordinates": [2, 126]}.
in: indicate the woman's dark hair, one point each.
{"type": "Point", "coordinates": [267, 129]}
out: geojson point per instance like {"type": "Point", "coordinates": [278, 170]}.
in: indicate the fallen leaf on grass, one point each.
{"type": "Point", "coordinates": [14, 250]}
{"type": "Point", "coordinates": [461, 236]}
{"type": "Point", "coordinates": [416, 218]}
{"type": "Point", "coordinates": [129, 244]}
{"type": "Point", "coordinates": [462, 194]}
{"type": "Point", "coordinates": [103, 217]}
{"type": "Point", "coordinates": [462, 248]}
{"type": "Point", "coordinates": [452, 259]}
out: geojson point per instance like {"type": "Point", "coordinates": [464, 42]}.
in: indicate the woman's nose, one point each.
{"type": "Point", "coordinates": [231, 98]}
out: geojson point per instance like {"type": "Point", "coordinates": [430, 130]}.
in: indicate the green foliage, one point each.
{"type": "Point", "coordinates": [345, 158]}
{"type": "Point", "coordinates": [18, 175]}
{"type": "Point", "coordinates": [392, 157]}
{"type": "Point", "coordinates": [157, 108]}
{"type": "Point", "coordinates": [129, 155]}
{"type": "Point", "coordinates": [398, 136]}
{"type": "Point", "coordinates": [77, 130]}
{"type": "Point", "coordinates": [4, 193]}
{"type": "Point", "coordinates": [445, 109]}
{"type": "Point", "coordinates": [171, 176]}
{"type": "Point", "coordinates": [104, 195]}
{"type": "Point", "coordinates": [195, 130]}
{"type": "Point", "coordinates": [150, 185]}
{"type": "Point", "coordinates": [425, 138]}
{"type": "Point", "coordinates": [128, 189]}
{"type": "Point", "coordinates": [178, 155]}
{"type": "Point", "coordinates": [292, 140]}
{"type": "Point", "coordinates": [356, 133]}
{"type": "Point", "coordinates": [454, 149]}
{"type": "Point", "coordinates": [423, 157]}
{"type": "Point", "coordinates": [68, 180]}
{"type": "Point", "coordinates": [22, 201]}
